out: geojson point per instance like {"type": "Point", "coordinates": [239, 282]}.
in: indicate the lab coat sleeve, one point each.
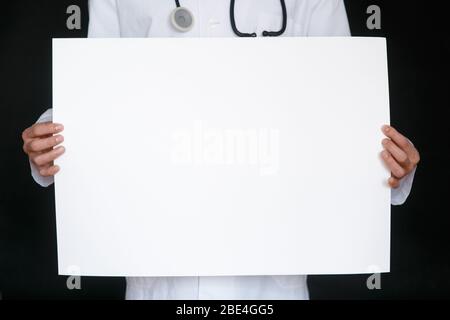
{"type": "Point", "coordinates": [328, 18]}
{"type": "Point", "coordinates": [103, 19]}
{"type": "Point", "coordinates": [103, 23]}
{"type": "Point", "coordinates": [42, 181]}
{"type": "Point", "coordinates": [399, 195]}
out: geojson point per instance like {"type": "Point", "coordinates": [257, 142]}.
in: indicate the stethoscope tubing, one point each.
{"type": "Point", "coordinates": [264, 33]}
{"type": "Point", "coordinates": [236, 31]}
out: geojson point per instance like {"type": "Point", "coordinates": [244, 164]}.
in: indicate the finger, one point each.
{"type": "Point", "coordinates": [396, 152]}
{"type": "Point", "coordinates": [400, 140]}
{"type": "Point", "coordinates": [46, 158]}
{"type": "Point", "coordinates": [39, 145]}
{"type": "Point", "coordinates": [42, 129]}
{"type": "Point", "coordinates": [394, 182]}
{"type": "Point", "coordinates": [33, 155]}
{"type": "Point", "coordinates": [49, 171]}
{"type": "Point", "coordinates": [396, 169]}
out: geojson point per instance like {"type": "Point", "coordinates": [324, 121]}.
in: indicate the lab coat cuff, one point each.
{"type": "Point", "coordinates": [400, 194]}
{"type": "Point", "coordinates": [40, 180]}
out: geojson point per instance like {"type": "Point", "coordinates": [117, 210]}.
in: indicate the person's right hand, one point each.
{"type": "Point", "coordinates": [40, 143]}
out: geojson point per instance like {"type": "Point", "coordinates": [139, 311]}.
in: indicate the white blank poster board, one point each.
{"type": "Point", "coordinates": [203, 157]}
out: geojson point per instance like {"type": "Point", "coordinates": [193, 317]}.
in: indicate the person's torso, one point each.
{"type": "Point", "coordinates": [146, 18]}
{"type": "Point", "coordinates": [143, 18]}
{"type": "Point", "coordinates": [222, 288]}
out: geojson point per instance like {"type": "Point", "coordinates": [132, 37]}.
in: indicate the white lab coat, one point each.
{"type": "Point", "coordinates": [150, 18]}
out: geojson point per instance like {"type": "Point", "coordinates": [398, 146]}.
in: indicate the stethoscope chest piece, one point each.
{"type": "Point", "coordinates": [182, 19]}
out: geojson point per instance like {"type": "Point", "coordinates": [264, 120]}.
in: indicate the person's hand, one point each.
{"type": "Point", "coordinates": [399, 154]}
{"type": "Point", "coordinates": [40, 143]}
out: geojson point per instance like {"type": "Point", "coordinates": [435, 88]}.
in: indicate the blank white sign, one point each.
{"type": "Point", "coordinates": [204, 157]}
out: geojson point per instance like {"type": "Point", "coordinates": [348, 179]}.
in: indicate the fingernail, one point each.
{"type": "Point", "coordinates": [61, 149]}
{"type": "Point", "coordinates": [58, 127]}
{"type": "Point", "coordinates": [385, 142]}
{"type": "Point", "coordinates": [59, 139]}
{"type": "Point", "coordinates": [386, 128]}
{"type": "Point", "coordinates": [385, 155]}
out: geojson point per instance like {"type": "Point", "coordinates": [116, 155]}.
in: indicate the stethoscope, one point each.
{"type": "Point", "coordinates": [183, 20]}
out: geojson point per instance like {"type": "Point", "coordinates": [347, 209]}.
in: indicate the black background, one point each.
{"type": "Point", "coordinates": [419, 49]}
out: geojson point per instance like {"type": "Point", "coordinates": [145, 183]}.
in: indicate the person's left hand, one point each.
{"type": "Point", "coordinates": [399, 154]}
